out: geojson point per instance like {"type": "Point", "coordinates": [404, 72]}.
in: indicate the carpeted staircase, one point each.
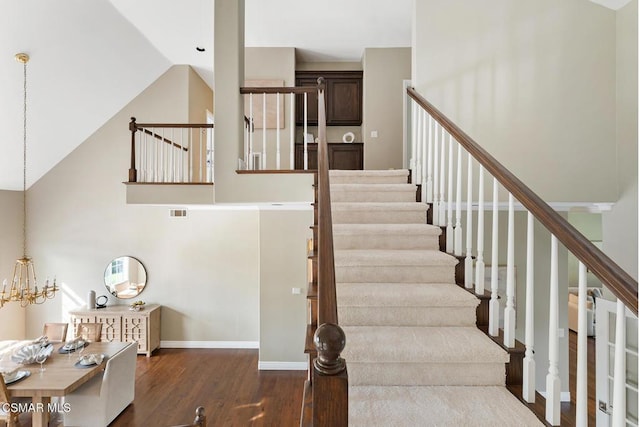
{"type": "Point", "coordinates": [414, 354]}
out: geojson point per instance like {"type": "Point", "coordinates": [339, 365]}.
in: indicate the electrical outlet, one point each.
{"type": "Point", "coordinates": [560, 332]}
{"type": "Point", "coordinates": [374, 134]}
{"type": "Point", "coordinates": [295, 291]}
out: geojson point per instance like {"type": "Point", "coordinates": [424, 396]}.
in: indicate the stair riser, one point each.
{"type": "Point", "coordinates": [425, 374]}
{"type": "Point", "coordinates": [388, 241]}
{"type": "Point", "coordinates": [406, 316]}
{"type": "Point", "coordinates": [373, 196]}
{"type": "Point", "coordinates": [395, 274]}
{"type": "Point", "coordinates": [369, 180]}
{"type": "Point", "coordinates": [379, 217]}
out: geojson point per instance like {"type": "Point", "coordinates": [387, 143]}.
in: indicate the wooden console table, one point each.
{"type": "Point", "coordinates": [121, 324]}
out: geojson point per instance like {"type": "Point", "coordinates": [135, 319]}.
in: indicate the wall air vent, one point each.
{"type": "Point", "coordinates": [178, 213]}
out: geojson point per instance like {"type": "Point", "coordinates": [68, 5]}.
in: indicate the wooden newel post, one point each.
{"type": "Point", "coordinates": [133, 174]}
{"type": "Point", "coordinates": [330, 382]}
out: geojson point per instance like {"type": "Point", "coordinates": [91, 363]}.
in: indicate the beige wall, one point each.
{"type": "Point", "coordinates": [229, 75]}
{"type": "Point", "coordinates": [384, 71]}
{"type": "Point", "coordinates": [283, 256]}
{"type": "Point", "coordinates": [203, 268]}
{"type": "Point", "coordinates": [12, 317]}
{"type": "Point", "coordinates": [533, 81]}
{"type": "Point", "coordinates": [620, 226]}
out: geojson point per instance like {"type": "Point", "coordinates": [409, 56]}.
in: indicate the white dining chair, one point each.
{"type": "Point", "coordinates": [9, 417]}
{"type": "Point", "coordinates": [103, 398]}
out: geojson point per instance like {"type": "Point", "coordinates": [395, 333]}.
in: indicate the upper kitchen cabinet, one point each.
{"type": "Point", "coordinates": [343, 97]}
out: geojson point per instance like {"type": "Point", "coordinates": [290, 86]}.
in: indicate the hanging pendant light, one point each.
{"type": "Point", "coordinates": [24, 285]}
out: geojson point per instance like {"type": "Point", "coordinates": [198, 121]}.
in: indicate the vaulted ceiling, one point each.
{"type": "Point", "coordinates": [90, 58]}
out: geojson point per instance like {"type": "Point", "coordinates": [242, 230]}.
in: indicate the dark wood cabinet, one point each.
{"type": "Point", "coordinates": [343, 98]}
{"type": "Point", "coordinates": [341, 155]}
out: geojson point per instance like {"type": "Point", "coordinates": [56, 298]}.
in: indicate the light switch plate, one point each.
{"type": "Point", "coordinates": [374, 134]}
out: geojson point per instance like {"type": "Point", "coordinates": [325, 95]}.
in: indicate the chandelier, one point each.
{"type": "Point", "coordinates": [24, 286]}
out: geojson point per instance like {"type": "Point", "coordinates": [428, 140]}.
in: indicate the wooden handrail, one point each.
{"type": "Point", "coordinates": [175, 125]}
{"type": "Point", "coordinates": [168, 141]}
{"type": "Point", "coordinates": [280, 90]}
{"type": "Point", "coordinates": [619, 281]}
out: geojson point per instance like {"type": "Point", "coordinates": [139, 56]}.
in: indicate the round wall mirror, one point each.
{"type": "Point", "coordinates": [125, 277]}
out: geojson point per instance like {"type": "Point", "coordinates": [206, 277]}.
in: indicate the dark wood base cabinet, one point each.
{"type": "Point", "coordinates": [341, 155]}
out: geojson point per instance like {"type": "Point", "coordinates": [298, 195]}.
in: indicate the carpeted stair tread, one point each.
{"type": "Point", "coordinates": [386, 229]}
{"type": "Point", "coordinates": [426, 295]}
{"type": "Point", "coordinates": [457, 406]}
{"type": "Point", "coordinates": [390, 257]}
{"type": "Point", "coordinates": [373, 187]}
{"type": "Point", "coordinates": [392, 176]}
{"type": "Point", "coordinates": [432, 345]}
{"type": "Point", "coordinates": [379, 206]}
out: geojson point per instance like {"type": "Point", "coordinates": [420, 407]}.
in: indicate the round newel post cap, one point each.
{"type": "Point", "coordinates": [329, 340]}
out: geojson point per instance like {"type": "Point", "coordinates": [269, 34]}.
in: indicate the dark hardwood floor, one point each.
{"type": "Point", "coordinates": [172, 383]}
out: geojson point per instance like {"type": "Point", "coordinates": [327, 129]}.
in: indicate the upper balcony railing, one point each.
{"type": "Point", "coordinates": [171, 153]}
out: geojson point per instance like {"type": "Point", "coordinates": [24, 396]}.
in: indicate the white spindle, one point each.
{"type": "Point", "coordinates": [480, 244]}
{"type": "Point", "coordinates": [417, 162]}
{"type": "Point", "coordinates": [442, 214]}
{"type": "Point", "coordinates": [202, 164]}
{"type": "Point", "coordinates": [278, 131]}
{"type": "Point", "coordinates": [529, 363]}
{"type": "Point", "coordinates": [468, 261]}
{"type": "Point", "coordinates": [190, 157]}
{"type": "Point", "coordinates": [450, 235]}
{"type": "Point", "coordinates": [250, 133]}
{"type": "Point", "coordinates": [436, 176]}
{"type": "Point", "coordinates": [292, 129]}
{"type": "Point", "coordinates": [429, 185]}
{"type": "Point", "coordinates": [161, 146]}
{"type": "Point", "coordinates": [172, 157]}
{"type": "Point", "coordinates": [426, 124]}
{"type": "Point", "coordinates": [494, 304]}
{"type": "Point", "coordinates": [552, 413]}
{"type": "Point", "coordinates": [510, 310]}
{"type": "Point", "coordinates": [619, 404]}
{"type": "Point", "coordinates": [182, 155]}
{"type": "Point", "coordinates": [213, 154]}
{"type": "Point", "coordinates": [414, 140]}
{"type": "Point", "coordinates": [581, 368]}
{"type": "Point", "coordinates": [457, 247]}
{"type": "Point", "coordinates": [156, 156]}
{"type": "Point", "coordinates": [304, 137]}
{"type": "Point", "coordinates": [264, 132]}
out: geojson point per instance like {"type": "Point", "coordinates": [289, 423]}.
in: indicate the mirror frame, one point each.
{"type": "Point", "coordinates": [129, 289]}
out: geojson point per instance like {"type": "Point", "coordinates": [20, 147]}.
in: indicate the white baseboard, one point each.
{"type": "Point", "coordinates": [283, 366]}
{"type": "Point", "coordinates": [209, 344]}
{"type": "Point", "coordinates": [565, 396]}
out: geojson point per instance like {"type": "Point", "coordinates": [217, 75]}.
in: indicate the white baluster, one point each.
{"type": "Point", "coordinates": [263, 166]}
{"type": "Point", "coordinates": [510, 310]}
{"type": "Point", "coordinates": [429, 185]}
{"type": "Point", "coordinates": [425, 158]}
{"type": "Point", "coordinates": [414, 139]}
{"type": "Point", "coordinates": [494, 304]}
{"type": "Point", "coordinates": [213, 154]}
{"type": "Point", "coordinates": [172, 158]}
{"type": "Point", "coordinates": [468, 261]}
{"type": "Point", "coordinates": [181, 154]}
{"type": "Point", "coordinates": [250, 133]}
{"type": "Point", "coordinates": [529, 364]}
{"type": "Point", "coordinates": [436, 176]}
{"type": "Point", "coordinates": [190, 157]}
{"type": "Point", "coordinates": [442, 213]}
{"type": "Point", "coordinates": [581, 368]}
{"type": "Point", "coordinates": [278, 131]}
{"type": "Point", "coordinates": [450, 199]}
{"type": "Point", "coordinates": [457, 247]}
{"type": "Point", "coordinates": [619, 404]}
{"type": "Point", "coordinates": [156, 156]}
{"type": "Point", "coordinates": [142, 143]}
{"type": "Point", "coordinates": [552, 413]}
{"type": "Point", "coordinates": [417, 161]}
{"type": "Point", "coordinates": [480, 244]}
{"type": "Point", "coordinates": [304, 136]}
{"type": "Point", "coordinates": [292, 130]}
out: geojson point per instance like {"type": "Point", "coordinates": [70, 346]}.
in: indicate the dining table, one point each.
{"type": "Point", "coordinates": [62, 375]}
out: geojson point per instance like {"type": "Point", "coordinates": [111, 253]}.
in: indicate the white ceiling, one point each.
{"type": "Point", "coordinates": [89, 58]}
